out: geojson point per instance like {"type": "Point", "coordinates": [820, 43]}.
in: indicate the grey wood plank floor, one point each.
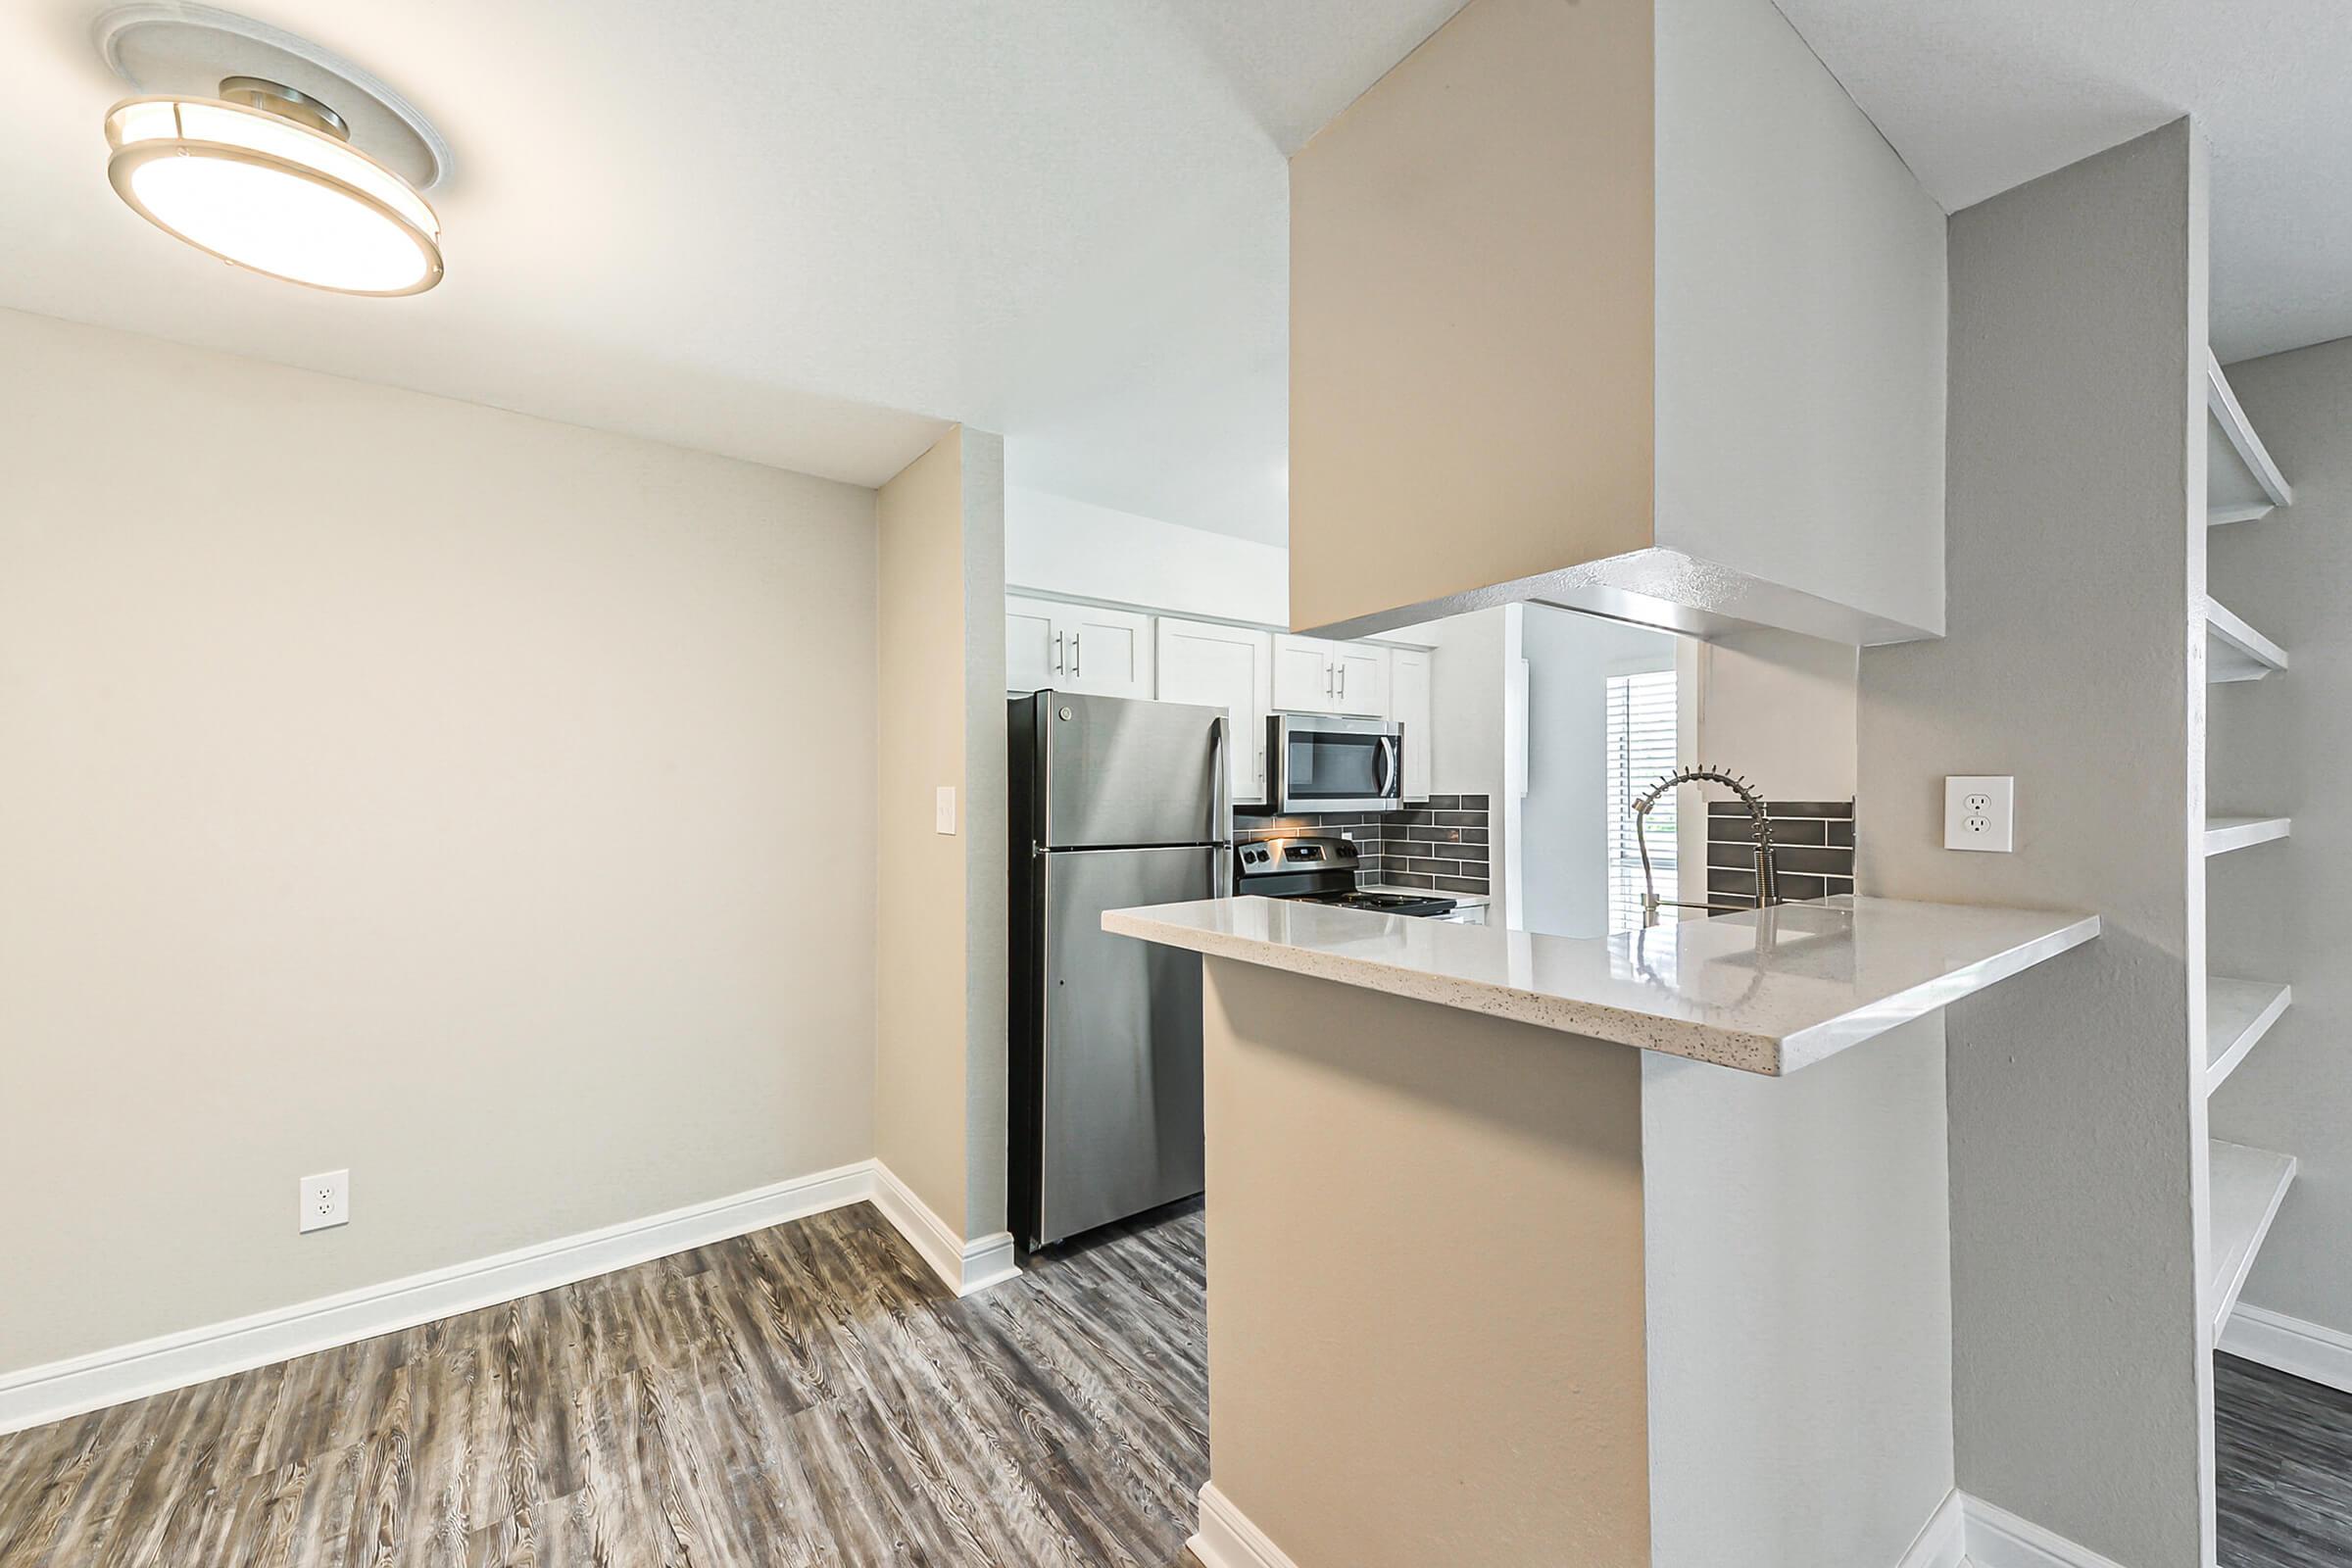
{"type": "Point", "coordinates": [2284, 1448]}
{"type": "Point", "coordinates": [806, 1394]}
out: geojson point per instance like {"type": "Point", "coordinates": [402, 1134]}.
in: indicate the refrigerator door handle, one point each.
{"type": "Point", "coordinates": [1220, 793]}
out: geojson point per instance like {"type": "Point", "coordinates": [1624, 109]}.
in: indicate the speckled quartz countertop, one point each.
{"type": "Point", "coordinates": [1766, 992]}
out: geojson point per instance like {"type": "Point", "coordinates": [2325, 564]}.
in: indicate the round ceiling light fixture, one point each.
{"type": "Point", "coordinates": [265, 175]}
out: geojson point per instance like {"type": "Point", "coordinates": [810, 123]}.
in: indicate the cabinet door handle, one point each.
{"type": "Point", "coordinates": [1077, 654]}
{"type": "Point", "coordinates": [1056, 657]}
{"type": "Point", "coordinates": [1343, 684]}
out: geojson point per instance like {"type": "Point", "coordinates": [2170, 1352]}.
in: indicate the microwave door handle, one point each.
{"type": "Point", "coordinates": [1385, 766]}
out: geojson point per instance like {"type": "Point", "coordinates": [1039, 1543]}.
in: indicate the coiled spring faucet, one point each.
{"type": "Point", "coordinates": [1767, 890]}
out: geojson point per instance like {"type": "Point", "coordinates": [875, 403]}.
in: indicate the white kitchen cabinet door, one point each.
{"type": "Point", "coordinates": [1030, 651]}
{"type": "Point", "coordinates": [1305, 681]}
{"type": "Point", "coordinates": [1104, 653]}
{"type": "Point", "coordinates": [1361, 683]}
{"type": "Point", "coordinates": [1223, 666]}
{"type": "Point", "coordinates": [1409, 707]}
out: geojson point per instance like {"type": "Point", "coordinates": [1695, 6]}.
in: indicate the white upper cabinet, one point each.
{"type": "Point", "coordinates": [1409, 707]}
{"type": "Point", "coordinates": [1031, 655]}
{"type": "Point", "coordinates": [1315, 677]}
{"type": "Point", "coordinates": [1250, 673]}
{"type": "Point", "coordinates": [1305, 681]}
{"type": "Point", "coordinates": [1363, 679]}
{"type": "Point", "coordinates": [1076, 648]}
{"type": "Point", "coordinates": [1223, 666]}
{"type": "Point", "coordinates": [1109, 652]}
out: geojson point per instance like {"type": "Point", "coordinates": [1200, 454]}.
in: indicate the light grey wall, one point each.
{"type": "Point", "coordinates": [2284, 744]}
{"type": "Point", "coordinates": [1800, 389]}
{"type": "Point", "coordinates": [481, 803]}
{"type": "Point", "coordinates": [1563, 836]}
{"type": "Point", "coordinates": [2081, 1382]}
{"type": "Point", "coordinates": [1809, 1421]}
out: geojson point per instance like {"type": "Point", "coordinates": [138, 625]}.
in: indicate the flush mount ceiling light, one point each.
{"type": "Point", "coordinates": [266, 174]}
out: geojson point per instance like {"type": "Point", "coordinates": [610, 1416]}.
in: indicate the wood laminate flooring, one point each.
{"type": "Point", "coordinates": [806, 1395]}
{"type": "Point", "coordinates": [2284, 1448]}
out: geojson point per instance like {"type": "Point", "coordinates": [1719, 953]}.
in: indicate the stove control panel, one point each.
{"type": "Point", "coordinates": [1270, 856]}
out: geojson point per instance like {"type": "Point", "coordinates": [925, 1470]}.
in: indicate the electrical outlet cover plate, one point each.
{"type": "Point", "coordinates": [325, 1200]}
{"type": "Point", "coordinates": [1979, 812]}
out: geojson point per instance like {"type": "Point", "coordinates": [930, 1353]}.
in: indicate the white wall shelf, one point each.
{"type": "Point", "coordinates": [2237, 1015]}
{"type": "Point", "coordinates": [2241, 482]}
{"type": "Point", "coordinates": [2246, 1187]}
{"type": "Point", "coordinates": [2225, 833]}
{"type": "Point", "coordinates": [2235, 650]}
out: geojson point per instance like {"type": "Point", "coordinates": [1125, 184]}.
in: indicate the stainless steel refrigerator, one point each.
{"type": "Point", "coordinates": [1115, 802]}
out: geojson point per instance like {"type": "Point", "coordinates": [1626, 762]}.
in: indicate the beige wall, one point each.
{"type": "Point", "coordinates": [1507, 161]}
{"type": "Point", "coordinates": [479, 803]}
{"type": "Point", "coordinates": [1780, 708]}
{"type": "Point", "coordinates": [939, 1073]}
{"type": "Point", "coordinates": [1425, 1327]}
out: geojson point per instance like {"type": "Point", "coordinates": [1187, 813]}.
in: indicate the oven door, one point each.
{"type": "Point", "coordinates": [1337, 765]}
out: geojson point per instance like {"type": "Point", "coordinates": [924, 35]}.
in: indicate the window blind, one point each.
{"type": "Point", "coordinates": [1640, 751]}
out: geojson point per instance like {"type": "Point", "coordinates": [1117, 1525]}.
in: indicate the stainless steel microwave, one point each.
{"type": "Point", "coordinates": [1323, 764]}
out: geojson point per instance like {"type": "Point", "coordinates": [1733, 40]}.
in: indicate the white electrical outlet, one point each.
{"type": "Point", "coordinates": [327, 1201]}
{"type": "Point", "coordinates": [943, 810]}
{"type": "Point", "coordinates": [1979, 812]}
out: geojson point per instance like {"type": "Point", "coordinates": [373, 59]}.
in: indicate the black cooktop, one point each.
{"type": "Point", "coordinates": [1385, 903]}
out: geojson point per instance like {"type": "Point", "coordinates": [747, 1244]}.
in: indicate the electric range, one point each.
{"type": "Point", "coordinates": [1321, 871]}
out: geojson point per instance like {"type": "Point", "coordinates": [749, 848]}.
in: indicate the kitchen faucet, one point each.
{"type": "Point", "coordinates": [1767, 890]}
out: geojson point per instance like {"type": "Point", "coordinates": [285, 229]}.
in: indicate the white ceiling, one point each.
{"type": "Point", "coordinates": [1980, 95]}
{"type": "Point", "coordinates": [800, 233]}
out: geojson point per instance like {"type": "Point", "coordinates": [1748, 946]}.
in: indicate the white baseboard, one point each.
{"type": "Point", "coordinates": [37, 1395]}
{"type": "Point", "coordinates": [1999, 1538]}
{"type": "Point", "coordinates": [962, 1266]}
{"type": "Point", "coordinates": [1962, 1531]}
{"type": "Point", "coordinates": [1227, 1538]}
{"type": "Point", "coordinates": [1943, 1542]}
{"type": "Point", "coordinates": [2311, 1351]}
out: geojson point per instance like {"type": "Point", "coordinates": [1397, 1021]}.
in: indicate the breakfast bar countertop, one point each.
{"type": "Point", "coordinates": [1764, 992]}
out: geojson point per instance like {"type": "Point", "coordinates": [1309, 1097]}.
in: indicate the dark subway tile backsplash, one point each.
{"type": "Point", "coordinates": [1813, 850]}
{"type": "Point", "coordinates": [1437, 843]}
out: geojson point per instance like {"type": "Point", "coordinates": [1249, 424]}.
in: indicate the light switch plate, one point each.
{"type": "Point", "coordinates": [1979, 812]}
{"type": "Point", "coordinates": [946, 822]}
{"type": "Point", "coordinates": [325, 1200]}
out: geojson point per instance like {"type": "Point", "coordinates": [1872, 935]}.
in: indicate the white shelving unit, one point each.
{"type": "Point", "coordinates": [2241, 482]}
{"type": "Point", "coordinates": [2237, 1015]}
{"type": "Point", "coordinates": [2235, 650]}
{"type": "Point", "coordinates": [2225, 833]}
{"type": "Point", "coordinates": [2246, 1188]}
